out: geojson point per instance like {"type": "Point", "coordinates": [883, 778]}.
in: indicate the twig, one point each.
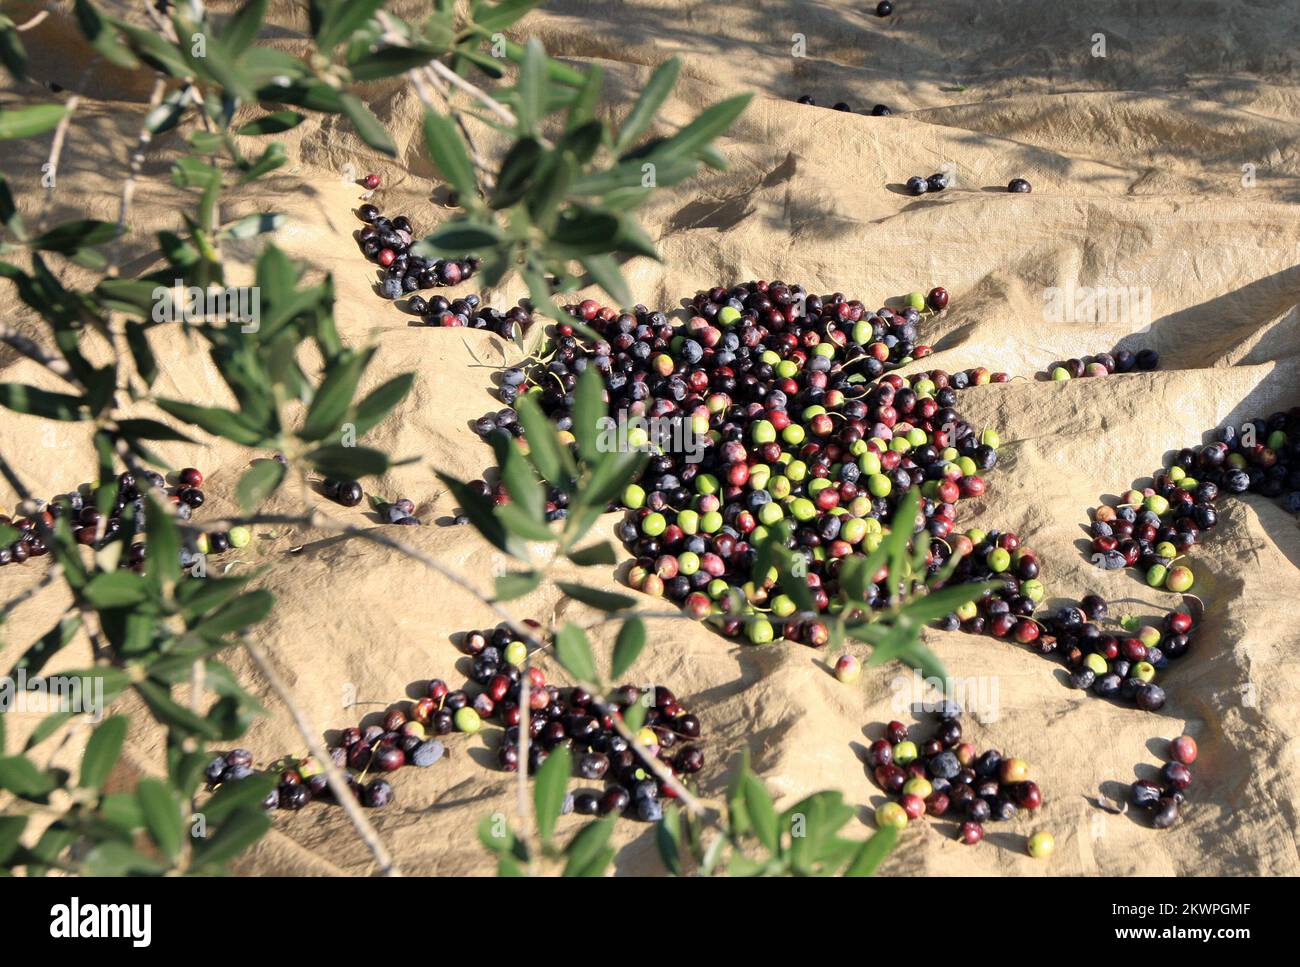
{"type": "Point", "coordinates": [503, 113]}
{"type": "Point", "coordinates": [56, 151]}
{"type": "Point", "coordinates": [423, 93]}
{"type": "Point", "coordinates": [342, 793]}
{"type": "Point", "coordinates": [36, 20]}
{"type": "Point", "coordinates": [136, 163]}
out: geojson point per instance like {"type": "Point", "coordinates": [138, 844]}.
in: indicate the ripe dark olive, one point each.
{"type": "Point", "coordinates": [1177, 775]}
{"type": "Point", "coordinates": [1164, 813]}
{"type": "Point", "coordinates": [1144, 794]}
{"type": "Point", "coordinates": [294, 796]}
{"type": "Point", "coordinates": [378, 793]}
{"type": "Point", "coordinates": [978, 810]}
{"type": "Point", "coordinates": [1150, 698]}
{"type": "Point", "coordinates": [615, 800]}
{"type": "Point", "coordinates": [690, 760]}
{"type": "Point", "coordinates": [593, 766]}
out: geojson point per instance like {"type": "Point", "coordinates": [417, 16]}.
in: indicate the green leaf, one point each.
{"type": "Point", "coordinates": [532, 87]}
{"type": "Point", "coordinates": [348, 463]}
{"type": "Point", "coordinates": [389, 61]}
{"type": "Point", "coordinates": [71, 236]}
{"type": "Point", "coordinates": [544, 448]}
{"type": "Point", "coordinates": [522, 524]}
{"type": "Point", "coordinates": [241, 29]}
{"type": "Point", "coordinates": [873, 852]}
{"type": "Point", "coordinates": [247, 609]}
{"type": "Point", "coordinates": [628, 646]}
{"type": "Point", "coordinates": [342, 18]}
{"type": "Point", "coordinates": [11, 830]}
{"type": "Point", "coordinates": [12, 53]}
{"type": "Point", "coordinates": [901, 530]}
{"type": "Point", "coordinates": [245, 793]}
{"type": "Point", "coordinates": [169, 713]}
{"type": "Point", "coordinates": [241, 831]}
{"type": "Point", "coordinates": [334, 396]}
{"type": "Point", "coordinates": [460, 238]}
{"type": "Point", "coordinates": [368, 127]}
{"type": "Point", "coordinates": [21, 777]}
{"type": "Point", "coordinates": [10, 217]}
{"type": "Point", "coordinates": [652, 97]}
{"type": "Point", "coordinates": [250, 226]}
{"type": "Point", "coordinates": [199, 597]}
{"type": "Point", "coordinates": [588, 411]}
{"type": "Point", "coordinates": [371, 411]}
{"type": "Point", "coordinates": [516, 584]}
{"type": "Point", "coordinates": [162, 566]}
{"type": "Point", "coordinates": [604, 600]}
{"type": "Point", "coordinates": [22, 398]}
{"type": "Point", "coordinates": [153, 48]}
{"type": "Point", "coordinates": [115, 858]}
{"type": "Point", "coordinates": [223, 423]}
{"type": "Point", "coordinates": [585, 231]}
{"type": "Point", "coordinates": [634, 716]}
{"type": "Point", "coordinates": [116, 589]}
{"type": "Point", "coordinates": [121, 811]}
{"type": "Point", "coordinates": [549, 790]}
{"type": "Point", "coordinates": [102, 751]}
{"type": "Point", "coordinates": [761, 812]}
{"type": "Point", "coordinates": [275, 123]}
{"type": "Point", "coordinates": [145, 429]}
{"type": "Point", "coordinates": [479, 510]}
{"type": "Point", "coordinates": [504, 844]}
{"type": "Point", "coordinates": [596, 554]}
{"type": "Point", "coordinates": [448, 153]}
{"type": "Point", "coordinates": [517, 475]}
{"type": "Point", "coordinates": [668, 840]}
{"type": "Point", "coordinates": [611, 477]}
{"type": "Point", "coordinates": [605, 272]}
{"type": "Point", "coordinates": [711, 123]}
{"type": "Point", "coordinates": [258, 483]}
{"type": "Point", "coordinates": [585, 854]}
{"type": "Point", "coordinates": [162, 815]}
{"type": "Point", "coordinates": [936, 604]}
{"type": "Point", "coordinates": [502, 15]}
{"type": "Point", "coordinates": [574, 653]}
{"type": "Point", "coordinates": [28, 122]}
{"type": "Point", "coordinates": [223, 70]}
{"type": "Point", "coordinates": [46, 728]}
{"type": "Point", "coordinates": [518, 171]}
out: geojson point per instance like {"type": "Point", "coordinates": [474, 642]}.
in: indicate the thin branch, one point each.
{"type": "Point", "coordinates": [422, 92]}
{"type": "Point", "coordinates": [338, 785]}
{"type": "Point", "coordinates": [35, 21]}
{"type": "Point", "coordinates": [56, 152]}
{"type": "Point", "coordinates": [137, 162]}
{"type": "Point", "coordinates": [495, 107]}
